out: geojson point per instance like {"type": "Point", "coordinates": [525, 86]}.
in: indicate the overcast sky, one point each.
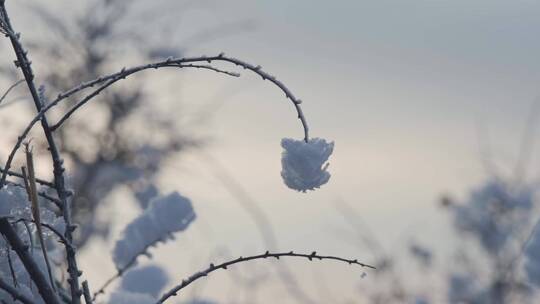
{"type": "Point", "coordinates": [400, 86]}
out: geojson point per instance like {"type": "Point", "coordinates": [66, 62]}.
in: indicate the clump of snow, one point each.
{"type": "Point", "coordinates": [12, 199]}
{"type": "Point", "coordinates": [14, 203]}
{"type": "Point", "coordinates": [164, 216]}
{"type": "Point", "coordinates": [304, 164]}
{"type": "Point", "coordinates": [126, 297]}
{"type": "Point", "coordinates": [150, 279]}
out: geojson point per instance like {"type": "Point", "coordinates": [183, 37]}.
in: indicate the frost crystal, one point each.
{"type": "Point", "coordinates": [164, 216]}
{"type": "Point", "coordinates": [304, 164]}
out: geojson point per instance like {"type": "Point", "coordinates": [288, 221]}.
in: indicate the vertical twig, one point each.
{"type": "Point", "coordinates": [58, 169]}
{"type": "Point", "coordinates": [86, 292]}
{"type": "Point", "coordinates": [31, 189]}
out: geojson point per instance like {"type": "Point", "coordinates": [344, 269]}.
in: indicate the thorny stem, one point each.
{"type": "Point", "coordinates": [58, 170]}
{"type": "Point", "coordinates": [174, 291]}
{"type": "Point", "coordinates": [124, 73]}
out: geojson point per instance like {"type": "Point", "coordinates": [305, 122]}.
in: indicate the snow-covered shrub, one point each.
{"type": "Point", "coordinates": [304, 164]}
{"type": "Point", "coordinates": [150, 279]}
{"type": "Point", "coordinates": [164, 216]}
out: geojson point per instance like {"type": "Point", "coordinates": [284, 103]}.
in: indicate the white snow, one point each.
{"type": "Point", "coordinates": [164, 216]}
{"type": "Point", "coordinates": [304, 164]}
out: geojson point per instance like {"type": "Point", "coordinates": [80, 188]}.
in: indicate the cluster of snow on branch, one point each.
{"type": "Point", "coordinates": [304, 164]}
{"type": "Point", "coordinates": [164, 216]}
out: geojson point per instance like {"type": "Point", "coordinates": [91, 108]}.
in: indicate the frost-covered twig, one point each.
{"type": "Point", "coordinates": [174, 291]}
{"type": "Point", "coordinates": [15, 293]}
{"type": "Point", "coordinates": [29, 264]}
{"type": "Point", "coordinates": [113, 78]}
{"type": "Point", "coordinates": [183, 62]}
{"type": "Point", "coordinates": [120, 271]}
{"type": "Point", "coordinates": [40, 193]}
{"type": "Point", "coordinates": [50, 227]}
{"type": "Point", "coordinates": [58, 168]}
{"type": "Point", "coordinates": [10, 88]}
{"type": "Point", "coordinates": [19, 175]}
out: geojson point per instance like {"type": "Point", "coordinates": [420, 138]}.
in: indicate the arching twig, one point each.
{"type": "Point", "coordinates": [112, 78]}
{"type": "Point", "coordinates": [174, 291]}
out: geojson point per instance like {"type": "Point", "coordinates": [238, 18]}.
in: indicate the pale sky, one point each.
{"type": "Point", "coordinates": [400, 86]}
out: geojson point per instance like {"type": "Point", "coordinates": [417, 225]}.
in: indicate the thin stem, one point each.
{"type": "Point", "coordinates": [51, 228]}
{"type": "Point", "coordinates": [120, 271]}
{"type": "Point", "coordinates": [13, 86]}
{"type": "Point", "coordinates": [174, 291]}
{"type": "Point", "coordinates": [19, 175]}
{"type": "Point", "coordinates": [25, 65]}
{"type": "Point", "coordinates": [86, 292]}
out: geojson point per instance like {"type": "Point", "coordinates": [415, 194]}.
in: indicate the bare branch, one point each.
{"type": "Point", "coordinates": [9, 89]}
{"type": "Point", "coordinates": [58, 169]}
{"type": "Point", "coordinates": [86, 292]}
{"type": "Point", "coordinates": [124, 73]}
{"type": "Point", "coordinates": [120, 271]}
{"type": "Point", "coordinates": [19, 175]}
{"type": "Point", "coordinates": [174, 291]}
{"type": "Point", "coordinates": [179, 62]}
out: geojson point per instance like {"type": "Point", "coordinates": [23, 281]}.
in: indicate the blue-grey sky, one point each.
{"type": "Point", "coordinates": [401, 86]}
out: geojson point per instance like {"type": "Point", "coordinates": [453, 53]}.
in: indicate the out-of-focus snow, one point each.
{"type": "Point", "coordinates": [164, 216]}
{"type": "Point", "coordinates": [126, 297]}
{"type": "Point", "coordinates": [304, 164]}
{"type": "Point", "coordinates": [150, 279]}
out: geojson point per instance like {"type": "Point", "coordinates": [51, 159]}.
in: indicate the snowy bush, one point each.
{"type": "Point", "coordinates": [163, 217]}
